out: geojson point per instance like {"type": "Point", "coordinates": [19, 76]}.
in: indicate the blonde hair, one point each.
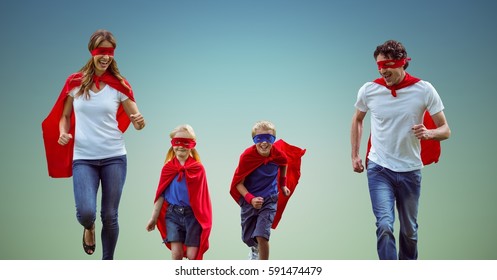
{"type": "Point", "coordinates": [264, 125]}
{"type": "Point", "coordinates": [188, 129]}
{"type": "Point", "coordinates": [88, 70]}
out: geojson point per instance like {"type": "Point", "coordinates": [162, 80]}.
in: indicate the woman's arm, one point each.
{"type": "Point", "coordinates": [133, 113]}
{"type": "Point", "coordinates": [65, 122]}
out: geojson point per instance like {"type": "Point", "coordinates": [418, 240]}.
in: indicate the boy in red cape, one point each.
{"type": "Point", "coordinates": [407, 124]}
{"type": "Point", "coordinates": [182, 205]}
{"type": "Point", "coordinates": [263, 169]}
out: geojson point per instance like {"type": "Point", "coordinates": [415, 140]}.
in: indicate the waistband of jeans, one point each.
{"type": "Point", "coordinates": [273, 197]}
{"type": "Point", "coordinates": [181, 209]}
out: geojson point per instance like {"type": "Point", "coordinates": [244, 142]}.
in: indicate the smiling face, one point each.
{"type": "Point", "coordinates": [391, 73]}
{"type": "Point", "coordinates": [264, 148]}
{"type": "Point", "coordinates": [181, 152]}
{"type": "Point", "coordinates": [102, 62]}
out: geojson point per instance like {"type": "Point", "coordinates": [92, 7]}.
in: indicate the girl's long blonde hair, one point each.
{"type": "Point", "coordinates": [188, 129]}
{"type": "Point", "coordinates": [89, 69]}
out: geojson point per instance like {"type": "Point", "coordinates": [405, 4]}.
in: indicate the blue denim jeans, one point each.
{"type": "Point", "coordinates": [388, 189]}
{"type": "Point", "coordinates": [257, 222]}
{"type": "Point", "coordinates": [182, 226]}
{"type": "Point", "coordinates": [87, 176]}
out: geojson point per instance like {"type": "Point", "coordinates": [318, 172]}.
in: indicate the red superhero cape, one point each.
{"type": "Point", "coordinates": [196, 182]}
{"type": "Point", "coordinates": [281, 154]}
{"type": "Point", "coordinates": [430, 149]}
{"type": "Point", "coordinates": [294, 156]}
{"type": "Point", "coordinates": [59, 158]}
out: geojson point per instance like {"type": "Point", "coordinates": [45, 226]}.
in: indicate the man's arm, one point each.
{"type": "Point", "coordinates": [355, 140]}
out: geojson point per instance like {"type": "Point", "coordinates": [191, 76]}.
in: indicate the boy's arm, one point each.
{"type": "Point", "coordinates": [240, 187]}
{"type": "Point", "coordinates": [282, 180]}
{"type": "Point", "coordinates": [256, 202]}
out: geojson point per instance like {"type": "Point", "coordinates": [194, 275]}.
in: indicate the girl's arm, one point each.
{"type": "Point", "coordinates": [155, 214]}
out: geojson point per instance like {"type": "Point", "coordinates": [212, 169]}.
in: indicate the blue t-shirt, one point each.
{"type": "Point", "coordinates": [177, 192]}
{"type": "Point", "coordinates": [262, 181]}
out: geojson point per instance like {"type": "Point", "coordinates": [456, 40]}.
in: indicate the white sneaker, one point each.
{"type": "Point", "coordinates": [254, 253]}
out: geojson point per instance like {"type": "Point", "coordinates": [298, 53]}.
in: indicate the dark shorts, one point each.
{"type": "Point", "coordinates": [182, 226]}
{"type": "Point", "coordinates": [257, 222]}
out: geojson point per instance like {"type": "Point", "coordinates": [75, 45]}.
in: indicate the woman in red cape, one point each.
{"type": "Point", "coordinates": [59, 157]}
{"type": "Point", "coordinates": [182, 205]}
{"type": "Point", "coordinates": [92, 149]}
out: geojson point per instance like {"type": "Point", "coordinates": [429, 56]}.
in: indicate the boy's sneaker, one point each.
{"type": "Point", "coordinates": [254, 253]}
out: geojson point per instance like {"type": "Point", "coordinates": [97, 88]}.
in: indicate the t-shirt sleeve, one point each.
{"type": "Point", "coordinates": [360, 103]}
{"type": "Point", "coordinates": [121, 96]}
{"type": "Point", "coordinates": [73, 92]}
{"type": "Point", "coordinates": [433, 101]}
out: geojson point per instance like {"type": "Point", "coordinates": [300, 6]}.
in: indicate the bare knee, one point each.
{"type": "Point", "coordinates": [176, 250]}
{"type": "Point", "coordinates": [191, 252]}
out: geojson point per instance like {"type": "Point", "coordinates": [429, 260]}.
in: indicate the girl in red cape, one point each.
{"type": "Point", "coordinates": [263, 169]}
{"type": "Point", "coordinates": [92, 149]}
{"type": "Point", "coordinates": [182, 204]}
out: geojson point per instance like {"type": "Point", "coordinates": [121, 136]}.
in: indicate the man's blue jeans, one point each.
{"type": "Point", "coordinates": [387, 190]}
{"type": "Point", "coordinates": [87, 176]}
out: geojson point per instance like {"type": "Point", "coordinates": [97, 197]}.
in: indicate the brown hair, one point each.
{"type": "Point", "coordinates": [88, 70]}
{"type": "Point", "coordinates": [393, 50]}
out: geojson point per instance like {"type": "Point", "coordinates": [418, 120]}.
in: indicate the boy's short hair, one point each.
{"type": "Point", "coordinates": [265, 125]}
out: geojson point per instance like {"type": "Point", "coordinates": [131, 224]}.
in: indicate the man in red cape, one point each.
{"type": "Point", "coordinates": [282, 153]}
{"type": "Point", "coordinates": [430, 149]}
{"type": "Point", "coordinates": [407, 123]}
{"type": "Point", "coordinates": [198, 192]}
{"type": "Point", "coordinates": [59, 158]}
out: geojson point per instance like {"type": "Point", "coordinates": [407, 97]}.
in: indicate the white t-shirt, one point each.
{"type": "Point", "coordinates": [393, 143]}
{"type": "Point", "coordinates": [97, 135]}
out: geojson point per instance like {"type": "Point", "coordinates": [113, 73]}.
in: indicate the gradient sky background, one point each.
{"type": "Point", "coordinates": [223, 65]}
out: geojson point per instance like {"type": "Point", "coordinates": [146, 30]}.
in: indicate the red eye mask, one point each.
{"type": "Point", "coordinates": [103, 51]}
{"type": "Point", "coordinates": [392, 63]}
{"type": "Point", "coordinates": [187, 143]}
